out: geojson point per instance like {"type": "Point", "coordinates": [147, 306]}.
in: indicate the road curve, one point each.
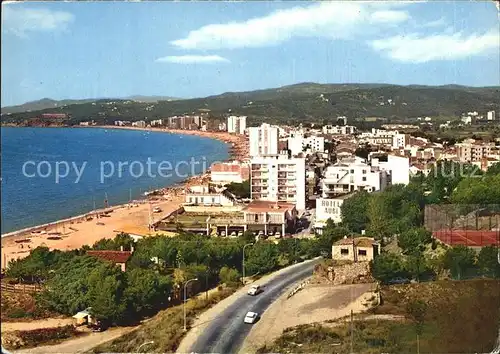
{"type": "Point", "coordinates": [226, 333]}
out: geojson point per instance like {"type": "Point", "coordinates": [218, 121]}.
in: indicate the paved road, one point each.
{"type": "Point", "coordinates": [226, 333]}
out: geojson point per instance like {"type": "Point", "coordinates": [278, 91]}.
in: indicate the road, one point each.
{"type": "Point", "coordinates": [226, 333]}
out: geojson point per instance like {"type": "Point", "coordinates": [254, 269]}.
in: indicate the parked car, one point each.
{"type": "Point", "coordinates": [254, 290]}
{"type": "Point", "coordinates": [251, 317]}
{"type": "Point", "coordinates": [156, 210]}
{"type": "Point", "coordinates": [223, 233]}
{"type": "Point", "coordinates": [240, 233]}
{"type": "Point", "coordinates": [399, 280]}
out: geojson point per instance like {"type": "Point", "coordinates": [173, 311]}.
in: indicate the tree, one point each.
{"type": "Point", "coordinates": [487, 261]}
{"type": "Point", "coordinates": [229, 276]}
{"type": "Point", "coordinates": [330, 234]}
{"type": "Point", "coordinates": [146, 290]}
{"type": "Point", "coordinates": [106, 286]}
{"type": "Point", "coordinates": [414, 240]}
{"type": "Point", "coordinates": [261, 258]}
{"type": "Point", "coordinates": [459, 260]}
{"type": "Point", "coordinates": [241, 190]}
{"type": "Point", "coordinates": [387, 266]}
{"type": "Point", "coordinates": [354, 211]}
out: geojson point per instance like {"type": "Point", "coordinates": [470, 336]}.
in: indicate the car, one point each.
{"type": "Point", "coordinates": [254, 290]}
{"type": "Point", "coordinates": [399, 280]}
{"type": "Point", "coordinates": [251, 317]}
{"type": "Point", "coordinates": [223, 233]}
{"type": "Point", "coordinates": [157, 210]}
{"type": "Point", "coordinates": [240, 233]}
{"type": "Point", "coordinates": [277, 235]}
{"type": "Point", "coordinates": [233, 233]}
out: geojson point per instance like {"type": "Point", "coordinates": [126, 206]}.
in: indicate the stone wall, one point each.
{"type": "Point", "coordinates": [346, 273]}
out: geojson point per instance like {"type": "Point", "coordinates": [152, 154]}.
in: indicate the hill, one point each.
{"type": "Point", "coordinates": [48, 103]}
{"type": "Point", "coordinates": [305, 102]}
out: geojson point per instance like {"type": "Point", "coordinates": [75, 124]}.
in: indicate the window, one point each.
{"type": "Point", "coordinates": [344, 251]}
{"type": "Point", "coordinates": [364, 172]}
{"type": "Point", "coordinates": [352, 171]}
{"type": "Point", "coordinates": [362, 252]}
{"type": "Point", "coordinates": [256, 217]}
{"type": "Point", "coordinates": [364, 179]}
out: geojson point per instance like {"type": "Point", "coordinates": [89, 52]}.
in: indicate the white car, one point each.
{"type": "Point", "coordinates": [254, 290]}
{"type": "Point", "coordinates": [251, 317]}
{"type": "Point", "coordinates": [157, 210]}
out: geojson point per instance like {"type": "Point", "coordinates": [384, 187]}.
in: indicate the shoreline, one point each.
{"type": "Point", "coordinates": [132, 217]}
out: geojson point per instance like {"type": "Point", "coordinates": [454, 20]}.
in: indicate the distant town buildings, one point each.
{"type": "Point", "coordinates": [491, 115]}
{"type": "Point", "coordinates": [298, 143]}
{"type": "Point", "coordinates": [263, 140]}
{"type": "Point", "coordinates": [470, 151]}
{"type": "Point", "coordinates": [236, 124]}
{"type": "Point", "coordinates": [139, 124]}
{"type": "Point", "coordinates": [339, 129]}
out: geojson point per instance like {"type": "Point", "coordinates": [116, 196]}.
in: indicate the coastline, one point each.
{"type": "Point", "coordinates": [133, 218]}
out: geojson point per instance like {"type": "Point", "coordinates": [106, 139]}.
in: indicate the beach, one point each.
{"type": "Point", "coordinates": [133, 218]}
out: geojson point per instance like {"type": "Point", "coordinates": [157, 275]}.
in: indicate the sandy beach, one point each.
{"type": "Point", "coordinates": [131, 218]}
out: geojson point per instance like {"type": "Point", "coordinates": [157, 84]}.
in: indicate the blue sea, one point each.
{"type": "Point", "coordinates": [54, 173]}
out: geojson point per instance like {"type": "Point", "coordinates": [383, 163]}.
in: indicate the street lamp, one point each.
{"type": "Point", "coordinates": [143, 344]}
{"type": "Point", "coordinates": [243, 263]}
{"type": "Point", "coordinates": [185, 299]}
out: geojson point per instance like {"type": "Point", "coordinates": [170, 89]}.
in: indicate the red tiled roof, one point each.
{"type": "Point", "coordinates": [112, 256]}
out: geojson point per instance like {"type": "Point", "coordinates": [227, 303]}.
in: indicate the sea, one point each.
{"type": "Point", "coordinates": [48, 174]}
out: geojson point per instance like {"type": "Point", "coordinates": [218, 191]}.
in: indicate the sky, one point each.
{"type": "Point", "coordinates": [75, 50]}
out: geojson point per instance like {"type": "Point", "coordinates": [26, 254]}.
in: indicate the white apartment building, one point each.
{"type": "Point", "coordinates": [399, 141]}
{"type": "Point", "coordinates": [351, 175]}
{"type": "Point", "coordinates": [298, 143]}
{"type": "Point", "coordinates": [279, 178]}
{"type": "Point", "coordinates": [491, 115]}
{"type": "Point", "coordinates": [397, 166]}
{"type": "Point", "coordinates": [263, 140]}
{"type": "Point", "coordinates": [329, 208]}
{"type": "Point", "coordinates": [339, 129]}
{"type": "Point", "coordinates": [236, 124]}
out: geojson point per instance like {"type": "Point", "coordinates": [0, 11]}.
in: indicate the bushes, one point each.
{"type": "Point", "coordinates": [35, 337]}
{"type": "Point", "coordinates": [229, 276]}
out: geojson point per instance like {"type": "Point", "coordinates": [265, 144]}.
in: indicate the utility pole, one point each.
{"type": "Point", "coordinates": [184, 303]}
{"type": "Point", "coordinates": [352, 334]}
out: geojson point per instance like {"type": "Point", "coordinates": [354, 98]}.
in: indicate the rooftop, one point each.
{"type": "Point", "coordinates": [261, 206]}
{"type": "Point", "coordinates": [112, 256]}
{"type": "Point", "coordinates": [358, 241]}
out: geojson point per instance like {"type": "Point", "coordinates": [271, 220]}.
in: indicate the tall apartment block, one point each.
{"type": "Point", "coordinates": [279, 178]}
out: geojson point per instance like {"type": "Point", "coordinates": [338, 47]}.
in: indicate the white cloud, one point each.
{"type": "Point", "coordinates": [420, 49]}
{"type": "Point", "coordinates": [335, 20]}
{"type": "Point", "coordinates": [22, 20]}
{"type": "Point", "coordinates": [193, 59]}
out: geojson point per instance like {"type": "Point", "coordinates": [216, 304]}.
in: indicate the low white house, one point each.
{"type": "Point", "coordinates": [358, 249]}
